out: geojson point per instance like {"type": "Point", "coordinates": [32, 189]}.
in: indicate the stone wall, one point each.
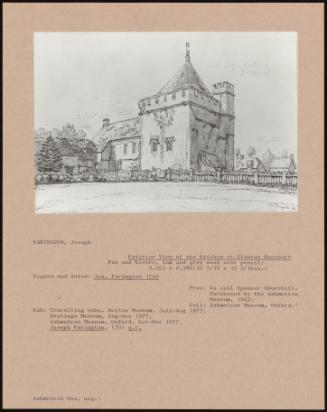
{"type": "Point", "coordinates": [212, 139]}
{"type": "Point", "coordinates": [121, 154]}
{"type": "Point", "coordinates": [69, 161]}
{"type": "Point", "coordinates": [161, 127]}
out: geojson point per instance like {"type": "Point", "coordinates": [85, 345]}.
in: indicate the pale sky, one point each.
{"type": "Point", "coordinates": [83, 77]}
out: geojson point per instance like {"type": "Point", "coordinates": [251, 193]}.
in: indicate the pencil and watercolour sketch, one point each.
{"type": "Point", "coordinates": [113, 135]}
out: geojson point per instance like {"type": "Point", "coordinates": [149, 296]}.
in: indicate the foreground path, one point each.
{"type": "Point", "coordinates": [161, 197]}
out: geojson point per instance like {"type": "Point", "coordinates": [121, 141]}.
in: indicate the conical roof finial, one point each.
{"type": "Point", "coordinates": [187, 56]}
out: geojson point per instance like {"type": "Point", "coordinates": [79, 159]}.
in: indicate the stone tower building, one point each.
{"type": "Point", "coordinates": [182, 126]}
{"type": "Point", "coordinates": [186, 126]}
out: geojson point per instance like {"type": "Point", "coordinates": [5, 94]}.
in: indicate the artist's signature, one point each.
{"type": "Point", "coordinates": [252, 68]}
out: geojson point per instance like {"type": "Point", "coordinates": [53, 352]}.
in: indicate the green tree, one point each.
{"type": "Point", "coordinates": [49, 159]}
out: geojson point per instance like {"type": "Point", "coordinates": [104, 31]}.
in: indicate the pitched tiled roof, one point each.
{"type": "Point", "coordinates": [82, 144]}
{"type": "Point", "coordinates": [280, 163]}
{"type": "Point", "coordinates": [256, 163]}
{"type": "Point", "coordinates": [118, 130]}
{"type": "Point", "coordinates": [185, 77]}
{"type": "Point", "coordinates": [67, 147]}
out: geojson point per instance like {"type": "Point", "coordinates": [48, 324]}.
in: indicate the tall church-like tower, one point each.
{"type": "Point", "coordinates": [186, 126]}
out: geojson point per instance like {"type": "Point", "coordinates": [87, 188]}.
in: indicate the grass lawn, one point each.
{"type": "Point", "coordinates": [161, 197]}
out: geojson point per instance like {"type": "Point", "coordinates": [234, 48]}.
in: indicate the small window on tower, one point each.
{"type": "Point", "coordinates": [134, 147]}
{"type": "Point", "coordinates": [125, 148]}
{"type": "Point", "coordinates": [157, 100]}
{"type": "Point", "coordinates": [154, 141]}
{"type": "Point", "coordinates": [169, 143]}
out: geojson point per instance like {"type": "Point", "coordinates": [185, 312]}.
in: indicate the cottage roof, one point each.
{"type": "Point", "coordinates": [280, 163]}
{"type": "Point", "coordinates": [67, 147]}
{"type": "Point", "coordinates": [82, 144]}
{"type": "Point", "coordinates": [118, 130]}
{"type": "Point", "coordinates": [186, 77]}
{"type": "Point", "coordinates": [256, 163]}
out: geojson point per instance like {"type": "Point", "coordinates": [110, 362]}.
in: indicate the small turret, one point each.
{"type": "Point", "coordinates": [224, 92]}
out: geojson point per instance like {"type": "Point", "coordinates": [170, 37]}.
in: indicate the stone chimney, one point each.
{"type": "Point", "coordinates": [106, 122]}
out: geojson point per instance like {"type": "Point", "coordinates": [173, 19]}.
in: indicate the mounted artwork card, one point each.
{"type": "Point", "coordinates": [163, 206]}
